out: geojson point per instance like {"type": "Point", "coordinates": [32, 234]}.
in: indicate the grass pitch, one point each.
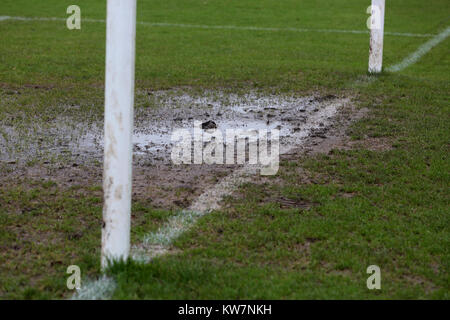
{"type": "Point", "coordinates": [383, 199]}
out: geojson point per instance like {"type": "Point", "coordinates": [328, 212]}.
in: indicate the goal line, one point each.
{"type": "Point", "coordinates": [228, 27]}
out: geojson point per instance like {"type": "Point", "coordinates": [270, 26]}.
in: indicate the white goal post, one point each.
{"type": "Point", "coordinates": [376, 36]}
{"type": "Point", "coordinates": [119, 101]}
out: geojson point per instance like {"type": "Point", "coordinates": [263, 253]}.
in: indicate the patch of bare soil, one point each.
{"type": "Point", "coordinates": [155, 179]}
{"type": "Point", "coordinates": [167, 186]}
{"type": "Point", "coordinates": [320, 141]}
{"type": "Point", "coordinates": [333, 137]}
{"type": "Point", "coordinates": [416, 280]}
{"type": "Point", "coordinates": [163, 185]}
{"type": "Point", "coordinates": [372, 144]}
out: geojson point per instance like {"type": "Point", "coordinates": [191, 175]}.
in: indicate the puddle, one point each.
{"type": "Point", "coordinates": [174, 109]}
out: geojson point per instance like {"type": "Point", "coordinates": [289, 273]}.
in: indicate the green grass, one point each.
{"type": "Point", "coordinates": [50, 53]}
{"type": "Point", "coordinates": [45, 229]}
{"type": "Point", "coordinates": [388, 208]}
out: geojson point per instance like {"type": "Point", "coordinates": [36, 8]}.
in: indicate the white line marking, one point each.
{"type": "Point", "coordinates": [157, 244]}
{"type": "Point", "coordinates": [229, 27]}
{"type": "Point", "coordinates": [419, 53]}
{"type": "Point", "coordinates": [101, 289]}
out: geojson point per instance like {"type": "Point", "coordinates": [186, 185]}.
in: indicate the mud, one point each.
{"type": "Point", "coordinates": [166, 111]}
{"type": "Point", "coordinates": [322, 140]}
{"type": "Point", "coordinates": [70, 152]}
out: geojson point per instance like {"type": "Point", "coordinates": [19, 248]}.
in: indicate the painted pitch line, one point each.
{"type": "Point", "coordinates": [101, 289]}
{"type": "Point", "coordinates": [409, 60]}
{"type": "Point", "coordinates": [227, 27]}
{"type": "Point", "coordinates": [420, 52]}
{"type": "Point", "coordinates": [158, 243]}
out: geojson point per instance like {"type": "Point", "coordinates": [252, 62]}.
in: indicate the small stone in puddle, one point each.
{"type": "Point", "coordinates": [209, 125]}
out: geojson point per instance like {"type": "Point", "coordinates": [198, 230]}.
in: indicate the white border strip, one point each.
{"type": "Point", "coordinates": [229, 27]}
{"type": "Point", "coordinates": [101, 289]}
{"type": "Point", "coordinates": [419, 53]}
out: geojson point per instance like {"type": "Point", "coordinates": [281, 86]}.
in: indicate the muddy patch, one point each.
{"type": "Point", "coordinates": [155, 123]}
{"type": "Point", "coordinates": [71, 152]}
{"type": "Point", "coordinates": [321, 139]}
{"type": "Point", "coordinates": [372, 144]}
